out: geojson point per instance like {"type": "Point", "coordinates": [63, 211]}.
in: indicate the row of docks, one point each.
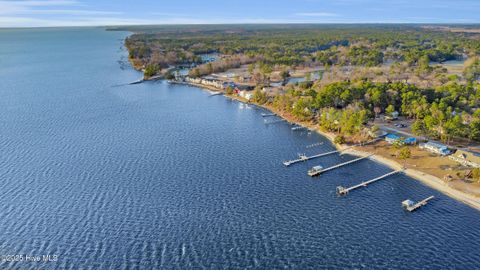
{"type": "Point", "coordinates": [408, 205]}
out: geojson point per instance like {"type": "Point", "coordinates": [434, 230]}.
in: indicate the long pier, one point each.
{"type": "Point", "coordinates": [298, 128]}
{"type": "Point", "coordinates": [305, 158]}
{"type": "Point", "coordinates": [275, 121]}
{"type": "Point", "coordinates": [314, 145]}
{"type": "Point", "coordinates": [344, 164]}
{"type": "Point", "coordinates": [344, 191]}
{"type": "Point", "coordinates": [216, 94]}
{"type": "Point", "coordinates": [410, 206]}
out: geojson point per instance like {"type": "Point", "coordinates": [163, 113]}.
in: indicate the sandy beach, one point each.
{"type": "Point", "coordinates": [429, 180]}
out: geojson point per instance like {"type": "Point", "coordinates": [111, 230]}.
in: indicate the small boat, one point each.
{"type": "Point", "coordinates": [317, 170]}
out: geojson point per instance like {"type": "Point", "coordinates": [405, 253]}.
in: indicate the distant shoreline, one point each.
{"type": "Point", "coordinates": [427, 179]}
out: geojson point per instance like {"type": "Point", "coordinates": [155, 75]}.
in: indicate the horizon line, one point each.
{"type": "Point", "coordinates": [239, 24]}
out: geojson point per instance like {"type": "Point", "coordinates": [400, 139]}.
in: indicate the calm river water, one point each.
{"type": "Point", "coordinates": [106, 175]}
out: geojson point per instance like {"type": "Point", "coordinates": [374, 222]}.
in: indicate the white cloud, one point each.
{"type": "Point", "coordinates": [74, 12]}
{"type": "Point", "coordinates": [316, 14]}
{"type": "Point", "coordinates": [36, 13]}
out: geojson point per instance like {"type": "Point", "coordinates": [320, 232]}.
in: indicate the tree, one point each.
{"type": "Point", "coordinates": [424, 63]}
{"type": "Point", "coordinates": [339, 139]}
{"type": "Point", "coordinates": [390, 109]}
{"type": "Point", "coordinates": [284, 74]}
{"type": "Point", "coordinates": [301, 109]}
{"type": "Point", "coordinates": [374, 130]}
{"type": "Point", "coordinates": [195, 73]}
{"type": "Point", "coordinates": [210, 69]}
{"type": "Point", "coordinates": [259, 97]}
{"type": "Point", "coordinates": [150, 70]}
{"type": "Point", "coordinates": [251, 69]}
{"type": "Point", "coordinates": [169, 76]}
{"type": "Point", "coordinates": [397, 145]}
{"type": "Point", "coordinates": [474, 130]}
{"type": "Point", "coordinates": [418, 128]}
{"type": "Point", "coordinates": [308, 77]}
{"type": "Point", "coordinates": [476, 175]}
{"type": "Point", "coordinates": [229, 90]}
{"type": "Point", "coordinates": [405, 154]}
{"type": "Point", "coordinates": [265, 71]}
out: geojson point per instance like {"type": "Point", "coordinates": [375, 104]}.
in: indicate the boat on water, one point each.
{"type": "Point", "coordinates": [317, 170]}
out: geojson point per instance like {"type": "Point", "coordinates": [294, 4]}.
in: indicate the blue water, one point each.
{"type": "Point", "coordinates": [156, 176]}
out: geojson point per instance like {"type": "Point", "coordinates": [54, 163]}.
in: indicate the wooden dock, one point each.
{"type": "Point", "coordinates": [314, 145]}
{"type": "Point", "coordinates": [344, 191]}
{"type": "Point", "coordinates": [275, 121]}
{"type": "Point", "coordinates": [343, 164]}
{"type": "Point", "coordinates": [305, 158]}
{"type": "Point", "coordinates": [410, 206]}
{"type": "Point", "coordinates": [296, 128]}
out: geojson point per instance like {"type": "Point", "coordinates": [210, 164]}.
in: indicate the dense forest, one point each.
{"type": "Point", "coordinates": [328, 45]}
{"type": "Point", "coordinates": [367, 70]}
{"type": "Point", "coordinates": [443, 113]}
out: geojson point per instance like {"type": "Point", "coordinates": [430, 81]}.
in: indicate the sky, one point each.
{"type": "Point", "coordinates": [47, 13]}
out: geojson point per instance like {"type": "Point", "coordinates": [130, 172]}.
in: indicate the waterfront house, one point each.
{"type": "Point", "coordinates": [241, 87]}
{"type": "Point", "coordinates": [467, 158]}
{"type": "Point", "coordinates": [392, 138]}
{"type": "Point", "coordinates": [436, 148]}
{"type": "Point", "coordinates": [193, 80]}
{"type": "Point", "coordinates": [393, 116]}
{"type": "Point", "coordinates": [410, 141]}
{"type": "Point", "coordinates": [246, 94]}
{"type": "Point", "coordinates": [226, 85]}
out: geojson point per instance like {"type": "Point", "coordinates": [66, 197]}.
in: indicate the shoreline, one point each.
{"type": "Point", "coordinates": [427, 179]}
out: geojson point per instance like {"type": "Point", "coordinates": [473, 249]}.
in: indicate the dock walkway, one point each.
{"type": "Point", "coordinates": [275, 121]}
{"type": "Point", "coordinates": [344, 191]}
{"type": "Point", "coordinates": [305, 158]}
{"type": "Point", "coordinates": [410, 206]}
{"type": "Point", "coordinates": [344, 164]}
{"type": "Point", "coordinates": [298, 128]}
